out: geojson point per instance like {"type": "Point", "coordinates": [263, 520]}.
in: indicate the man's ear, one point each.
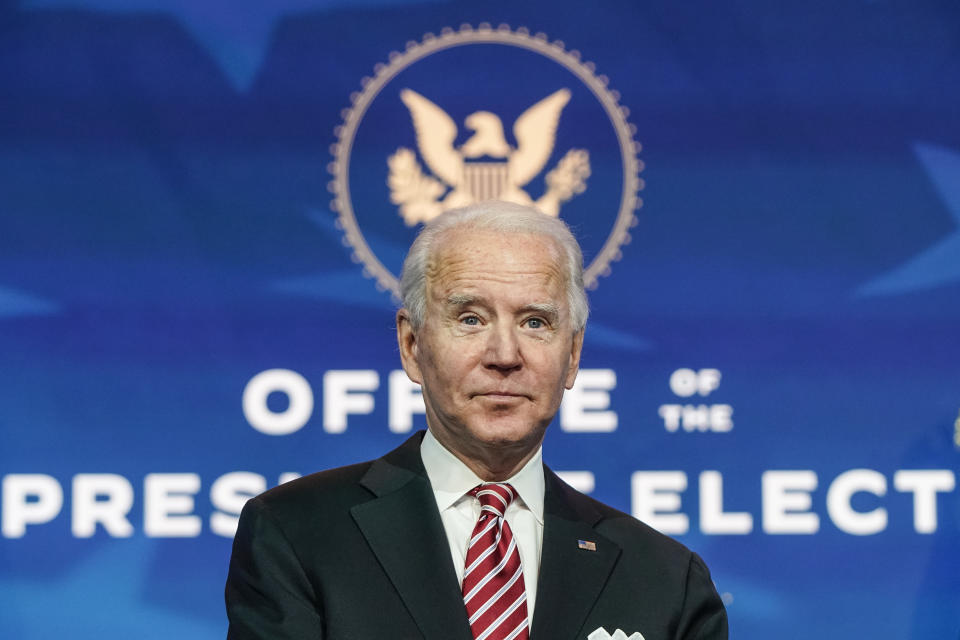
{"type": "Point", "coordinates": [407, 341]}
{"type": "Point", "coordinates": [575, 349]}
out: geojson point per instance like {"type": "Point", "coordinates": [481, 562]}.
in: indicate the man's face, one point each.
{"type": "Point", "coordinates": [497, 346]}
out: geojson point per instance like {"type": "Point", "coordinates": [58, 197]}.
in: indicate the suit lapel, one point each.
{"type": "Point", "coordinates": [404, 530]}
{"type": "Point", "coordinates": [571, 578]}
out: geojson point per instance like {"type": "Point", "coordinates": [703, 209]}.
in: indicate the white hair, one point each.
{"type": "Point", "coordinates": [501, 217]}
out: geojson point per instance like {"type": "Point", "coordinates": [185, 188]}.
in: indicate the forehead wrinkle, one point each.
{"type": "Point", "coordinates": [442, 250]}
{"type": "Point", "coordinates": [451, 264]}
{"type": "Point", "coordinates": [459, 268]}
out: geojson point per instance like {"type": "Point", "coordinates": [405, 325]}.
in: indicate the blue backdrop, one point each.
{"type": "Point", "coordinates": [195, 194]}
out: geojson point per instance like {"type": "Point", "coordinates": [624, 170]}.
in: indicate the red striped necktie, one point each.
{"type": "Point", "coordinates": [493, 589]}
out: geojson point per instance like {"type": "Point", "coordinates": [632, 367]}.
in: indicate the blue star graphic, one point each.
{"type": "Point", "coordinates": [16, 303]}
{"type": "Point", "coordinates": [347, 285]}
{"type": "Point", "coordinates": [97, 598]}
{"type": "Point", "coordinates": [235, 32]}
{"type": "Point", "coordinates": [940, 264]}
{"type": "Point", "coordinates": [602, 335]}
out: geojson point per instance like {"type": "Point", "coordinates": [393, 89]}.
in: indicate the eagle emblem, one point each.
{"type": "Point", "coordinates": [485, 167]}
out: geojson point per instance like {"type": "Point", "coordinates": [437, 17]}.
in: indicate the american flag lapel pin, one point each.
{"type": "Point", "coordinates": [587, 545]}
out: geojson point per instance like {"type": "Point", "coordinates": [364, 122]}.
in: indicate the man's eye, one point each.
{"type": "Point", "coordinates": [470, 320]}
{"type": "Point", "coordinates": [535, 323]}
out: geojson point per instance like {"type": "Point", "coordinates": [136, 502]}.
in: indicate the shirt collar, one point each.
{"type": "Point", "coordinates": [451, 479]}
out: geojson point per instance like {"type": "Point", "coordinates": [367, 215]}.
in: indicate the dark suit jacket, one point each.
{"type": "Point", "coordinates": [360, 552]}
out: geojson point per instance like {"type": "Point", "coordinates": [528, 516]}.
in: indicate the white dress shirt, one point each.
{"type": "Point", "coordinates": [452, 480]}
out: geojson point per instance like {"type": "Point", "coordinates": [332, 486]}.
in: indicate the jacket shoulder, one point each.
{"type": "Point", "coordinates": [330, 491]}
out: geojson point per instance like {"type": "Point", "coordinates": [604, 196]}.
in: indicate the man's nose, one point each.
{"type": "Point", "coordinates": [503, 348]}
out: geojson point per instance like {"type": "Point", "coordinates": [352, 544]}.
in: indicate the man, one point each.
{"type": "Point", "coordinates": [462, 532]}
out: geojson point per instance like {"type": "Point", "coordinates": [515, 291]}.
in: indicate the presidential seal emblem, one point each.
{"type": "Point", "coordinates": [428, 133]}
{"type": "Point", "coordinates": [464, 179]}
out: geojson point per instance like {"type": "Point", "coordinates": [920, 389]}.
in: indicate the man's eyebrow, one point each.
{"type": "Point", "coordinates": [543, 308]}
{"type": "Point", "coordinates": [461, 299]}
{"type": "Point", "coordinates": [547, 309]}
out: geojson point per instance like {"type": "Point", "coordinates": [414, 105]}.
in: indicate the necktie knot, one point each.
{"type": "Point", "coordinates": [494, 497]}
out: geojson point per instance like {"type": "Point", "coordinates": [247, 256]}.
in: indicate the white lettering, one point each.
{"type": "Point", "coordinates": [703, 417]}
{"type": "Point", "coordinates": [686, 382]}
{"type": "Point", "coordinates": [168, 505]}
{"type": "Point", "coordinates": [708, 380]}
{"type": "Point", "coordinates": [683, 382]}
{"type": "Point", "coordinates": [786, 502]}
{"type": "Point", "coordinates": [19, 510]}
{"type": "Point", "coordinates": [655, 499]}
{"type": "Point", "coordinates": [111, 512]}
{"type": "Point", "coordinates": [713, 520]}
{"type": "Point", "coordinates": [842, 512]}
{"type": "Point", "coordinates": [338, 401]}
{"type": "Point", "coordinates": [695, 418]}
{"type": "Point", "coordinates": [671, 416]}
{"type": "Point", "coordinates": [405, 400]}
{"type": "Point", "coordinates": [721, 418]}
{"type": "Point", "coordinates": [228, 494]}
{"type": "Point", "coordinates": [925, 484]}
{"type": "Point", "coordinates": [280, 423]}
{"type": "Point", "coordinates": [584, 406]}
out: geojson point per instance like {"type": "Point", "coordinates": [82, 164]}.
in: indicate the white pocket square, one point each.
{"type": "Point", "coordinates": [601, 634]}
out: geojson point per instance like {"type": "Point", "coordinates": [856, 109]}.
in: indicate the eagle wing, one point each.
{"type": "Point", "coordinates": [436, 132]}
{"type": "Point", "coordinates": [536, 132]}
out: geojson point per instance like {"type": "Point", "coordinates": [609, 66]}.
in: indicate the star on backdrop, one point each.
{"type": "Point", "coordinates": [606, 336]}
{"type": "Point", "coordinates": [16, 303]}
{"type": "Point", "coordinates": [344, 285]}
{"type": "Point", "coordinates": [939, 264]}
{"type": "Point", "coordinates": [236, 33]}
{"type": "Point", "coordinates": [50, 608]}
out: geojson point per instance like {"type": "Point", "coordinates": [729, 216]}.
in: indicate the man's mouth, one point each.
{"type": "Point", "coordinates": [498, 395]}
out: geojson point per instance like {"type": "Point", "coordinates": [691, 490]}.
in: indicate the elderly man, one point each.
{"type": "Point", "coordinates": [462, 532]}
